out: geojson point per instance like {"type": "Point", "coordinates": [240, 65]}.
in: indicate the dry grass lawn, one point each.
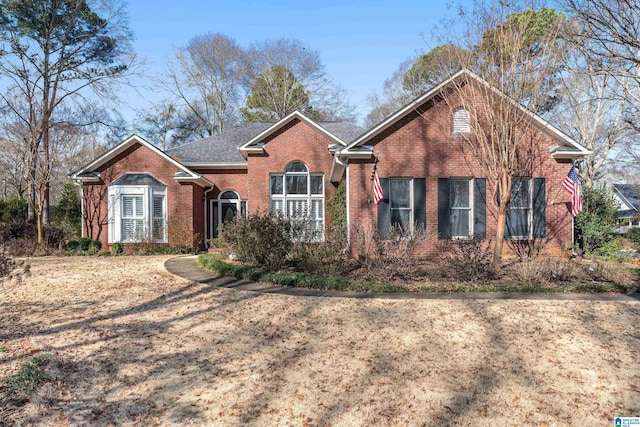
{"type": "Point", "coordinates": [135, 345]}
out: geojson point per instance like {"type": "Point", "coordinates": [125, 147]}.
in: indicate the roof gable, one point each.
{"type": "Point", "coordinates": [568, 146]}
{"type": "Point", "coordinates": [334, 131]}
{"type": "Point", "coordinates": [88, 171]}
{"type": "Point", "coordinates": [629, 194]}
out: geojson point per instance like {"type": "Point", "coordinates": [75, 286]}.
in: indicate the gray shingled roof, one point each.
{"type": "Point", "coordinates": [631, 192]}
{"type": "Point", "coordinates": [223, 148]}
{"type": "Point", "coordinates": [137, 179]}
{"type": "Point", "coordinates": [346, 131]}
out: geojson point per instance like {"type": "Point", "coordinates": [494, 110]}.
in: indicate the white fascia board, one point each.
{"type": "Point", "coordinates": [133, 139]}
{"type": "Point", "coordinates": [85, 178]}
{"type": "Point", "coordinates": [245, 148]}
{"type": "Point", "coordinates": [198, 180]}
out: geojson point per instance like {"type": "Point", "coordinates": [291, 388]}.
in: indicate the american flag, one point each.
{"type": "Point", "coordinates": [378, 194]}
{"type": "Point", "coordinates": [572, 184]}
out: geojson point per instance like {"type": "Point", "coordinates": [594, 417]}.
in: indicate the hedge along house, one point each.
{"type": "Point", "coordinates": [431, 183]}
{"type": "Point", "coordinates": [136, 192]}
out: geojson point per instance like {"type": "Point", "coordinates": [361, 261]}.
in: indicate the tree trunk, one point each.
{"type": "Point", "coordinates": [46, 207]}
{"type": "Point", "coordinates": [504, 197]}
{"type": "Point", "coordinates": [500, 228]}
{"type": "Point", "coordinates": [39, 225]}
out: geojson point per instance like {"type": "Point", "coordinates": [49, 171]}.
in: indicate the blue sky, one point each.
{"type": "Point", "coordinates": [360, 43]}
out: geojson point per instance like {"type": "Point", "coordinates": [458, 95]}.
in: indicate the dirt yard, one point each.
{"type": "Point", "coordinates": [135, 345]}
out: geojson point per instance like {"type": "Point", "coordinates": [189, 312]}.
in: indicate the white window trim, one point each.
{"type": "Point", "coordinates": [309, 198]}
{"type": "Point", "coordinates": [114, 202]}
{"type": "Point", "coordinates": [470, 208]}
{"type": "Point", "coordinates": [530, 207]}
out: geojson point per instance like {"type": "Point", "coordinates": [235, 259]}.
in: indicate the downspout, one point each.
{"type": "Point", "coordinates": [347, 196]}
{"type": "Point", "coordinates": [78, 184]}
{"type": "Point", "coordinates": [206, 203]}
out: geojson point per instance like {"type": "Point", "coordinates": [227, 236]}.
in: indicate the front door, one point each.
{"type": "Point", "coordinates": [222, 211]}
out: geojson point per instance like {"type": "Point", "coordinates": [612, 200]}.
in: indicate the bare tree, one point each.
{"type": "Point", "coordinates": [393, 96]}
{"type": "Point", "coordinates": [515, 50]}
{"type": "Point", "coordinates": [326, 99]}
{"type": "Point", "coordinates": [595, 111]}
{"type": "Point", "coordinates": [205, 81]}
{"type": "Point", "coordinates": [608, 35]}
{"type": "Point", "coordinates": [160, 124]}
{"type": "Point", "coordinates": [55, 53]}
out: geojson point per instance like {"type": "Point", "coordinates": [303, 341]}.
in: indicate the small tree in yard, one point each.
{"type": "Point", "coordinates": [597, 220]}
{"type": "Point", "coordinates": [516, 51]}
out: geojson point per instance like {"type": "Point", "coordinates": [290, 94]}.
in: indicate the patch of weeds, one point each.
{"type": "Point", "coordinates": [33, 374]}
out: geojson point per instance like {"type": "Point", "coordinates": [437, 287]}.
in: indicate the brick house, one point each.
{"type": "Point", "coordinates": [136, 191]}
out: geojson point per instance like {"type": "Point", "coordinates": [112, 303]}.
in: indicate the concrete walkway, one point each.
{"type": "Point", "coordinates": [187, 267]}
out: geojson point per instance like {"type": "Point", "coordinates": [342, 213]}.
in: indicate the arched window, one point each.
{"type": "Point", "coordinates": [461, 121]}
{"type": "Point", "coordinates": [299, 195]}
{"type": "Point", "coordinates": [226, 208]}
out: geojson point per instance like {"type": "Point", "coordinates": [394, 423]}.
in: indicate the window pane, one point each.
{"type": "Point", "coordinates": [157, 222]}
{"type": "Point", "coordinates": [460, 222]}
{"type": "Point", "coordinates": [157, 229]}
{"type": "Point", "coordinates": [400, 190]}
{"type": "Point", "coordinates": [243, 209]}
{"type": "Point", "coordinates": [316, 184]}
{"type": "Point", "coordinates": [296, 167]}
{"type": "Point", "coordinates": [277, 206]}
{"type": "Point", "coordinates": [520, 193]}
{"type": "Point", "coordinates": [158, 206]}
{"type": "Point", "coordinates": [297, 184]}
{"type": "Point", "coordinates": [401, 218]}
{"type": "Point", "coordinates": [276, 184]}
{"type": "Point", "coordinates": [317, 210]}
{"type": "Point", "coordinates": [518, 222]}
{"type": "Point", "coordinates": [132, 206]}
{"type": "Point", "coordinates": [132, 230]}
{"type": "Point", "coordinates": [296, 208]}
{"type": "Point", "coordinates": [459, 193]}
{"type": "Point", "coordinates": [229, 195]}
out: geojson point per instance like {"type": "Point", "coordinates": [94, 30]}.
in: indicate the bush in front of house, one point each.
{"type": "Point", "coordinates": [595, 224]}
{"type": "Point", "coordinates": [84, 246]}
{"type": "Point", "coordinates": [263, 239]}
{"type": "Point", "coordinates": [19, 237]}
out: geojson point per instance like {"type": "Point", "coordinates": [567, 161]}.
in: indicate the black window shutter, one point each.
{"type": "Point", "coordinates": [444, 217]}
{"type": "Point", "coordinates": [384, 209]}
{"type": "Point", "coordinates": [539, 208]}
{"type": "Point", "coordinates": [419, 204]}
{"type": "Point", "coordinates": [480, 208]}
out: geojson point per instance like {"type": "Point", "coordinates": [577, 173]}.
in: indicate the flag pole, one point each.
{"type": "Point", "coordinates": [375, 165]}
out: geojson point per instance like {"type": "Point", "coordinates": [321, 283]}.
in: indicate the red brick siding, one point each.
{"type": "Point", "coordinates": [180, 197]}
{"type": "Point", "coordinates": [421, 145]}
{"type": "Point", "coordinates": [295, 141]}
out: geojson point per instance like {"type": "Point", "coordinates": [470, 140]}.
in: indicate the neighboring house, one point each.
{"type": "Point", "coordinates": [294, 166]}
{"type": "Point", "coordinates": [628, 198]}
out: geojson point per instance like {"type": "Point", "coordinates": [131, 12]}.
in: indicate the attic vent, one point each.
{"type": "Point", "coordinates": [461, 121]}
